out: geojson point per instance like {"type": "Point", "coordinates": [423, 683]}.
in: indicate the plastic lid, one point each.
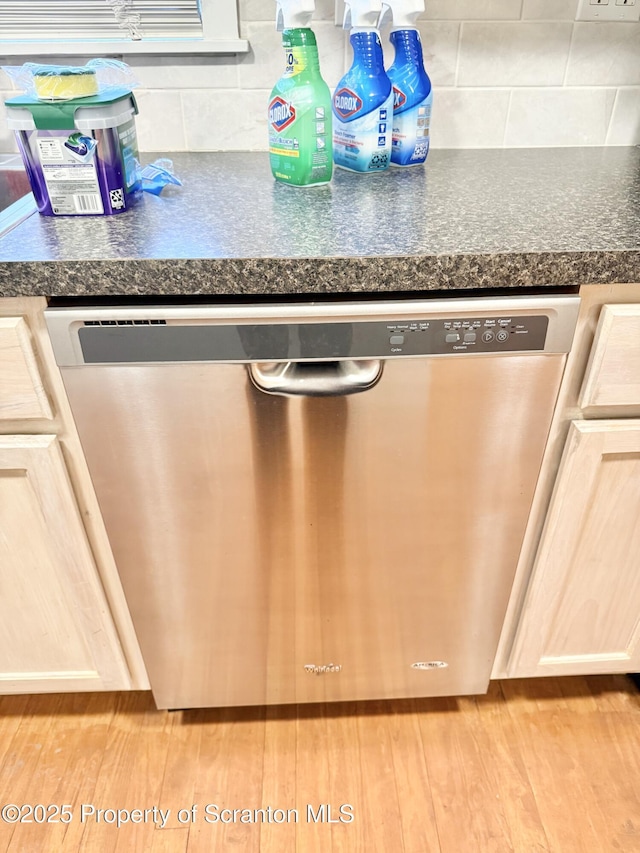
{"type": "Point", "coordinates": [96, 112]}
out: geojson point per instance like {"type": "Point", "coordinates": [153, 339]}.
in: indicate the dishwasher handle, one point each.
{"type": "Point", "coordinates": [316, 378]}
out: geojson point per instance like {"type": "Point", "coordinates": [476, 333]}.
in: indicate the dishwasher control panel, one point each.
{"type": "Point", "coordinates": [469, 335]}
{"type": "Point", "coordinates": [111, 341]}
{"type": "Point", "coordinates": [301, 331]}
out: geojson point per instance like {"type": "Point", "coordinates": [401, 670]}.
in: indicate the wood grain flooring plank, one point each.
{"type": "Point", "coordinates": [313, 786]}
{"type": "Point", "coordinates": [346, 786]}
{"type": "Point", "coordinates": [417, 815]}
{"type": "Point", "coordinates": [577, 687]}
{"type": "Point", "coordinates": [178, 782]}
{"type": "Point", "coordinates": [148, 753]}
{"type": "Point", "coordinates": [574, 761]}
{"type": "Point", "coordinates": [614, 692]}
{"type": "Point", "coordinates": [209, 772]}
{"type": "Point", "coordinates": [67, 770]}
{"type": "Point", "coordinates": [85, 764]}
{"type": "Point", "coordinates": [229, 776]}
{"type": "Point", "coordinates": [609, 754]}
{"type": "Point", "coordinates": [381, 813]}
{"type": "Point", "coordinates": [169, 840]}
{"type": "Point", "coordinates": [130, 775]}
{"type": "Point", "coordinates": [279, 778]}
{"type": "Point", "coordinates": [515, 792]}
{"type": "Point", "coordinates": [465, 790]}
{"type": "Point", "coordinates": [610, 740]}
{"type": "Point", "coordinates": [12, 711]}
{"type": "Point", "coordinates": [21, 781]}
{"type": "Point", "coordinates": [533, 695]}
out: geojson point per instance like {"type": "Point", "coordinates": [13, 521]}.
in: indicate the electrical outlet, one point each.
{"type": "Point", "coordinates": [608, 10]}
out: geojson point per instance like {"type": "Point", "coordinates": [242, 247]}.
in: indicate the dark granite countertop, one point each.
{"type": "Point", "coordinates": [470, 219]}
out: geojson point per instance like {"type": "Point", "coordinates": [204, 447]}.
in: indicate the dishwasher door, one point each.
{"type": "Point", "coordinates": [315, 503]}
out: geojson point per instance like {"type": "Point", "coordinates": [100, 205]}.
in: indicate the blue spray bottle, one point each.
{"type": "Point", "coordinates": [363, 99]}
{"type": "Point", "coordinates": [412, 94]}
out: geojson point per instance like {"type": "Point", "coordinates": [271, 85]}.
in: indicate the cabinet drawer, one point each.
{"type": "Point", "coordinates": [22, 393]}
{"type": "Point", "coordinates": [612, 383]}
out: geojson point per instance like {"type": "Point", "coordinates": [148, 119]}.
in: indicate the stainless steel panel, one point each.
{"type": "Point", "coordinates": [277, 549]}
{"type": "Point", "coordinates": [64, 323]}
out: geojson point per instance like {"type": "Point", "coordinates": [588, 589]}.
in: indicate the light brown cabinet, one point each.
{"type": "Point", "coordinates": [56, 632]}
{"type": "Point", "coordinates": [612, 382]}
{"type": "Point", "coordinates": [583, 608]}
{"type": "Point", "coordinates": [22, 394]}
{"type": "Point", "coordinates": [578, 611]}
{"type": "Point", "coordinates": [64, 625]}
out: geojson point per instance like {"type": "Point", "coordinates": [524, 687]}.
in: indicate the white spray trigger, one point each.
{"type": "Point", "coordinates": [361, 14]}
{"type": "Point", "coordinates": [405, 12]}
{"type": "Point", "coordinates": [293, 14]}
{"type": "Point", "coordinates": [385, 13]}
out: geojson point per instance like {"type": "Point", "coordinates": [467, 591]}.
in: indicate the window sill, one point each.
{"type": "Point", "coordinates": [111, 47]}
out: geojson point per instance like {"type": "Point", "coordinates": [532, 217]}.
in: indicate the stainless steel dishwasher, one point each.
{"type": "Point", "coordinates": [315, 502]}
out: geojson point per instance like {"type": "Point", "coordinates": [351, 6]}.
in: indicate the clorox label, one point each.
{"type": "Point", "coordinates": [346, 103]}
{"type": "Point", "coordinates": [362, 142]}
{"type": "Point", "coordinates": [399, 98]}
{"type": "Point", "coordinates": [281, 113]}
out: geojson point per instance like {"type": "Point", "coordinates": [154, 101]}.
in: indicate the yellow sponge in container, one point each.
{"type": "Point", "coordinates": [63, 83]}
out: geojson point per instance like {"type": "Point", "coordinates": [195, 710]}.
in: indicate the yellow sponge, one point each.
{"type": "Point", "coordinates": [54, 82]}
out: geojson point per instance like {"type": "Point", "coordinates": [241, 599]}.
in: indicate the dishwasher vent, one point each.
{"type": "Point", "coordinates": [124, 323]}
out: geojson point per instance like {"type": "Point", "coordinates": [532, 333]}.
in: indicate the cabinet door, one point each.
{"type": "Point", "coordinates": [56, 633]}
{"type": "Point", "coordinates": [21, 392]}
{"type": "Point", "coordinates": [582, 610]}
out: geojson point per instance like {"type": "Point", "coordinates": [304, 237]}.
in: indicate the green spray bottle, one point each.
{"type": "Point", "coordinates": [299, 113]}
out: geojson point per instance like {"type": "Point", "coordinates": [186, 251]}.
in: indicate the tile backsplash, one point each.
{"type": "Point", "coordinates": [512, 73]}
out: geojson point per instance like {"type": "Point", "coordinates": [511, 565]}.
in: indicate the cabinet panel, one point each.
{"type": "Point", "coordinates": [21, 392]}
{"type": "Point", "coordinates": [582, 610]}
{"type": "Point", "coordinates": [55, 631]}
{"type": "Point", "coordinates": [612, 383]}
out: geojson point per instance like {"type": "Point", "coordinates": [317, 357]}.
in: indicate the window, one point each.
{"type": "Point", "coordinates": [84, 27]}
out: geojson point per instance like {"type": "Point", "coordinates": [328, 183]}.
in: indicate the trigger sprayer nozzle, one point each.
{"type": "Point", "coordinates": [363, 14]}
{"type": "Point", "coordinates": [405, 13]}
{"type": "Point", "coordinates": [293, 14]}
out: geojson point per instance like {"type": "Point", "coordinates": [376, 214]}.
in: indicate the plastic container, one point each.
{"type": "Point", "coordinates": [81, 155]}
{"type": "Point", "coordinates": [412, 97]}
{"type": "Point", "coordinates": [299, 115]}
{"type": "Point", "coordinates": [363, 109]}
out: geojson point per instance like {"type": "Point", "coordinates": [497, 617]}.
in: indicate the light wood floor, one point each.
{"type": "Point", "coordinates": [535, 765]}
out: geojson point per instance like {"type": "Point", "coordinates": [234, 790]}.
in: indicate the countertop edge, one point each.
{"type": "Point", "coordinates": [340, 275]}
